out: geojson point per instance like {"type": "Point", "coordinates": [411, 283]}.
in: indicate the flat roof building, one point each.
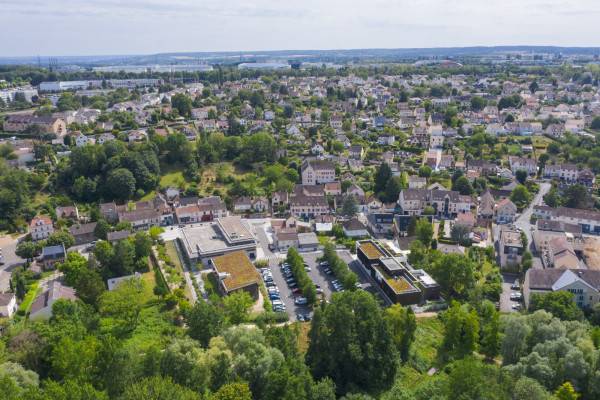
{"type": "Point", "coordinates": [236, 272]}
{"type": "Point", "coordinates": [222, 236]}
{"type": "Point", "coordinates": [395, 276]}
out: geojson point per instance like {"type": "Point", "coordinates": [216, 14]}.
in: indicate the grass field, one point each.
{"type": "Point", "coordinates": [172, 179]}
{"type": "Point", "coordinates": [30, 296]}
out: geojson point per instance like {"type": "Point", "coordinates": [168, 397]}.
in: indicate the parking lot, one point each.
{"type": "Point", "coordinates": [506, 303]}
{"type": "Point", "coordinates": [285, 292]}
{"type": "Point", "coordinates": [321, 279]}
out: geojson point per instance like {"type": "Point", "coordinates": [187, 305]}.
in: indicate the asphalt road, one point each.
{"type": "Point", "coordinates": [523, 221]}
{"type": "Point", "coordinates": [8, 244]}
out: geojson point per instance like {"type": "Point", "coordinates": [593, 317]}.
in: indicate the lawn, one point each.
{"type": "Point", "coordinates": [171, 251]}
{"type": "Point", "coordinates": [30, 296]}
{"type": "Point", "coordinates": [173, 178]}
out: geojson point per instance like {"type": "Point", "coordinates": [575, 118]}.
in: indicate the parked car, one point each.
{"type": "Point", "coordinates": [300, 301]}
{"type": "Point", "coordinates": [516, 285]}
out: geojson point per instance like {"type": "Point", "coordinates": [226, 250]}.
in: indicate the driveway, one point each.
{"type": "Point", "coordinates": [8, 244]}
{"type": "Point", "coordinates": [505, 301]}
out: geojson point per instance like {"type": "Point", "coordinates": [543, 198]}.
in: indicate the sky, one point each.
{"type": "Point", "coordinates": [99, 27]}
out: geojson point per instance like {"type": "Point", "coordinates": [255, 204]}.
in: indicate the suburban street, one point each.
{"type": "Point", "coordinates": [8, 244]}
{"type": "Point", "coordinates": [523, 221]}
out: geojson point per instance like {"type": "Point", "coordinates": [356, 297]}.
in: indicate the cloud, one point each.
{"type": "Point", "coordinates": [152, 26]}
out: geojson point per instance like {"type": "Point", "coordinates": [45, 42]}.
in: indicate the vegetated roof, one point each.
{"type": "Point", "coordinates": [370, 250]}
{"type": "Point", "coordinates": [240, 270]}
{"type": "Point", "coordinates": [399, 284]}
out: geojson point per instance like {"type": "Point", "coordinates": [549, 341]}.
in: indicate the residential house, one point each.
{"type": "Point", "coordinates": [510, 247]}
{"type": "Point", "coordinates": [417, 182]}
{"type": "Point", "coordinates": [317, 171]}
{"type": "Point", "coordinates": [83, 233]}
{"type": "Point", "coordinates": [41, 308]}
{"type": "Point", "coordinates": [505, 211]}
{"type": "Point", "coordinates": [525, 164]}
{"type": "Point", "coordinates": [386, 140]}
{"type": "Point", "coordinates": [588, 220]}
{"type": "Point", "coordinates": [41, 227]}
{"type": "Point", "coordinates": [45, 124]}
{"type": "Point", "coordinates": [353, 228]}
{"type": "Point", "coordinates": [584, 284]}
{"type": "Point", "coordinates": [52, 255]}
{"type": "Point", "coordinates": [486, 205]}
{"type": "Point", "coordinates": [356, 152]}
{"type": "Point", "coordinates": [8, 305]}
{"type": "Point", "coordinates": [67, 212]}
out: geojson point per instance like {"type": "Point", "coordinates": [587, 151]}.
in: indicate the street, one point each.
{"type": "Point", "coordinates": [523, 221]}
{"type": "Point", "coordinates": [8, 244]}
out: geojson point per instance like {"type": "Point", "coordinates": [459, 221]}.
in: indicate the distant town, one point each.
{"type": "Point", "coordinates": [446, 189]}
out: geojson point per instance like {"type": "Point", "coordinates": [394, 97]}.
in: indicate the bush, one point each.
{"type": "Point", "coordinates": [304, 282]}
{"type": "Point", "coordinates": [340, 269]}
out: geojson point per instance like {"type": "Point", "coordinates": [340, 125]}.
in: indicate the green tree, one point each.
{"type": "Point", "coordinates": [69, 390]}
{"type": "Point", "coordinates": [552, 198]}
{"type": "Point", "coordinates": [158, 388]}
{"type": "Point", "coordinates": [566, 392]}
{"type": "Point", "coordinates": [120, 184]}
{"type": "Point", "coordinates": [561, 304]}
{"type": "Point", "coordinates": [61, 237]}
{"type": "Point", "coordinates": [529, 389]}
{"type": "Point", "coordinates": [143, 244]}
{"type": "Point", "coordinates": [461, 332]}
{"type": "Point", "coordinates": [392, 189]}
{"type": "Point", "coordinates": [75, 359]}
{"type": "Point", "coordinates": [183, 104]}
{"type": "Point", "coordinates": [577, 196]}
{"type": "Point", "coordinates": [349, 206]}
{"type": "Point", "coordinates": [185, 361]}
{"type": "Point", "coordinates": [382, 176]}
{"type": "Point", "coordinates": [27, 250]}
{"type": "Point", "coordinates": [349, 342]}
{"type": "Point", "coordinates": [478, 103]}
{"type": "Point", "coordinates": [425, 171]}
{"type": "Point", "coordinates": [463, 186]}
{"type": "Point", "coordinates": [204, 322]}
{"type": "Point", "coordinates": [490, 330]}
{"type": "Point", "coordinates": [520, 196]}
{"type": "Point", "coordinates": [521, 176]}
{"type": "Point", "coordinates": [237, 306]}
{"type": "Point", "coordinates": [233, 391]}
{"type": "Point", "coordinates": [402, 325]}
{"type": "Point", "coordinates": [102, 228]}
{"type": "Point", "coordinates": [455, 274]}
{"type": "Point", "coordinates": [470, 379]}
{"type": "Point", "coordinates": [424, 231]}
{"type": "Point", "coordinates": [122, 306]}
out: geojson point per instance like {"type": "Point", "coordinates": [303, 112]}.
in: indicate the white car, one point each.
{"type": "Point", "coordinates": [300, 301]}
